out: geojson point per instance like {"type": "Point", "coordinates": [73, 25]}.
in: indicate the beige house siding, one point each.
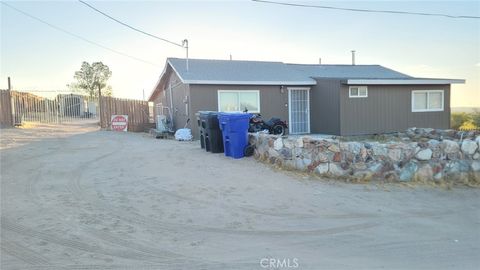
{"type": "Point", "coordinates": [389, 109]}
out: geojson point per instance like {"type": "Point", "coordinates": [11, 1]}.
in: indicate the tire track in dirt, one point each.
{"type": "Point", "coordinates": [157, 266]}
{"type": "Point", "coordinates": [162, 225]}
{"type": "Point", "coordinates": [107, 237]}
{"type": "Point", "coordinates": [76, 189]}
{"type": "Point", "coordinates": [25, 231]}
{"type": "Point", "coordinates": [151, 253]}
{"type": "Point", "coordinates": [74, 186]}
{"type": "Point", "coordinates": [23, 253]}
{"type": "Point", "coordinates": [159, 254]}
{"type": "Point", "coordinates": [57, 145]}
{"type": "Point", "coordinates": [230, 207]}
{"type": "Point", "coordinates": [266, 212]}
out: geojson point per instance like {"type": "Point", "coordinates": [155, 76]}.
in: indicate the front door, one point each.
{"type": "Point", "coordinates": [299, 110]}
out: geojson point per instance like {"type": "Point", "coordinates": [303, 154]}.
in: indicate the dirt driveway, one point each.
{"type": "Point", "coordinates": [78, 198]}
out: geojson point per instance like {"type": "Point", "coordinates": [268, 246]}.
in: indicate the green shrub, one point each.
{"type": "Point", "coordinates": [476, 118]}
{"type": "Point", "coordinates": [465, 121]}
{"type": "Point", "coordinates": [457, 119]}
{"type": "Point", "coordinates": [467, 126]}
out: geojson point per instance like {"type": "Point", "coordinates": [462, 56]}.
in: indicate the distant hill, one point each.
{"type": "Point", "coordinates": [464, 109]}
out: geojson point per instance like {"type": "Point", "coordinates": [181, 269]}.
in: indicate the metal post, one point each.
{"type": "Point", "coordinates": [353, 57]}
{"type": "Point", "coordinates": [57, 106]}
{"type": "Point", "coordinates": [100, 106]}
{"type": "Point", "coordinates": [171, 102]}
{"type": "Point", "coordinates": [185, 45]}
{"type": "Point", "coordinates": [12, 104]}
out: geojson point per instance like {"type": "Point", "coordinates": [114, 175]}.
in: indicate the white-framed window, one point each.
{"type": "Point", "coordinates": [427, 100]}
{"type": "Point", "coordinates": [239, 100]}
{"type": "Point", "coordinates": [357, 92]}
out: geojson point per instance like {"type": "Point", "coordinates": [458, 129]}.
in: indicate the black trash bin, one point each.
{"type": "Point", "coordinates": [202, 125]}
{"type": "Point", "coordinates": [212, 135]}
{"type": "Point", "coordinates": [201, 130]}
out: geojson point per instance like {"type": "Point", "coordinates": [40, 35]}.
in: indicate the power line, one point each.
{"type": "Point", "coordinates": [370, 10]}
{"type": "Point", "coordinates": [77, 36]}
{"type": "Point", "coordinates": [129, 26]}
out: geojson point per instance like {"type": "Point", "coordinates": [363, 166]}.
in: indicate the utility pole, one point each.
{"type": "Point", "coordinates": [9, 84]}
{"type": "Point", "coordinates": [143, 91]}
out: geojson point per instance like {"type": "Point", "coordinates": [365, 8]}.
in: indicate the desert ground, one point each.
{"type": "Point", "coordinates": [76, 197]}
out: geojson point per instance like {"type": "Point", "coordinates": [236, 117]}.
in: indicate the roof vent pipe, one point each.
{"type": "Point", "coordinates": [230, 57]}
{"type": "Point", "coordinates": [319, 60]}
{"type": "Point", "coordinates": [353, 58]}
{"type": "Point", "coordinates": [185, 45]}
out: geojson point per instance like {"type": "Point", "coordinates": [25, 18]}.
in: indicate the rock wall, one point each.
{"type": "Point", "coordinates": [426, 159]}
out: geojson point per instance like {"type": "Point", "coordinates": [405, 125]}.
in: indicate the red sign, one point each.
{"type": "Point", "coordinates": [119, 122]}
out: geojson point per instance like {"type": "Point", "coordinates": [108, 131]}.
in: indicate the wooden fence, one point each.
{"type": "Point", "coordinates": [16, 107]}
{"type": "Point", "coordinates": [6, 119]}
{"type": "Point", "coordinates": [137, 111]}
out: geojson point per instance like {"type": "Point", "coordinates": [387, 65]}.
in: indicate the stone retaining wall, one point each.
{"type": "Point", "coordinates": [404, 160]}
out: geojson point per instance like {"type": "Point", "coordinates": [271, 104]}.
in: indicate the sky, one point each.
{"type": "Point", "coordinates": [38, 57]}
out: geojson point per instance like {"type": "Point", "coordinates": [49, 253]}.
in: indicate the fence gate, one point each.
{"type": "Point", "coordinates": [52, 107]}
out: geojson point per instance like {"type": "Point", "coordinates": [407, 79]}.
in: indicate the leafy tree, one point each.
{"type": "Point", "coordinates": [91, 79]}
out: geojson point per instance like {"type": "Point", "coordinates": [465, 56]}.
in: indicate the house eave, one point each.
{"type": "Point", "coordinates": [286, 83]}
{"type": "Point", "coordinates": [154, 91]}
{"type": "Point", "coordinates": [217, 82]}
{"type": "Point", "coordinates": [402, 81]}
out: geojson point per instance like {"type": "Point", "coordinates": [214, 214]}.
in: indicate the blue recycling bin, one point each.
{"type": "Point", "coordinates": [234, 128]}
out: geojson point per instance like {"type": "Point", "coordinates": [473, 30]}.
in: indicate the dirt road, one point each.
{"type": "Point", "coordinates": [78, 198]}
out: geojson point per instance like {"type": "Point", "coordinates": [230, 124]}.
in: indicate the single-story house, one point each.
{"type": "Point", "coordinates": [326, 99]}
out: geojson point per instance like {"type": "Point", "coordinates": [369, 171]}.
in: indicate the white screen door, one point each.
{"type": "Point", "coordinates": [299, 110]}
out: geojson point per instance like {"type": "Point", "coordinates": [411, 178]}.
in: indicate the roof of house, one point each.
{"type": "Point", "coordinates": [202, 71]}
{"type": "Point", "coordinates": [366, 75]}
{"type": "Point", "coordinates": [349, 71]}
{"type": "Point", "coordinates": [235, 72]}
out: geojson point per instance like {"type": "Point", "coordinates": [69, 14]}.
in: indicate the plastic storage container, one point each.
{"type": "Point", "coordinates": [200, 130]}
{"type": "Point", "coordinates": [234, 128]}
{"type": "Point", "coordinates": [201, 117]}
{"type": "Point", "coordinates": [212, 135]}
